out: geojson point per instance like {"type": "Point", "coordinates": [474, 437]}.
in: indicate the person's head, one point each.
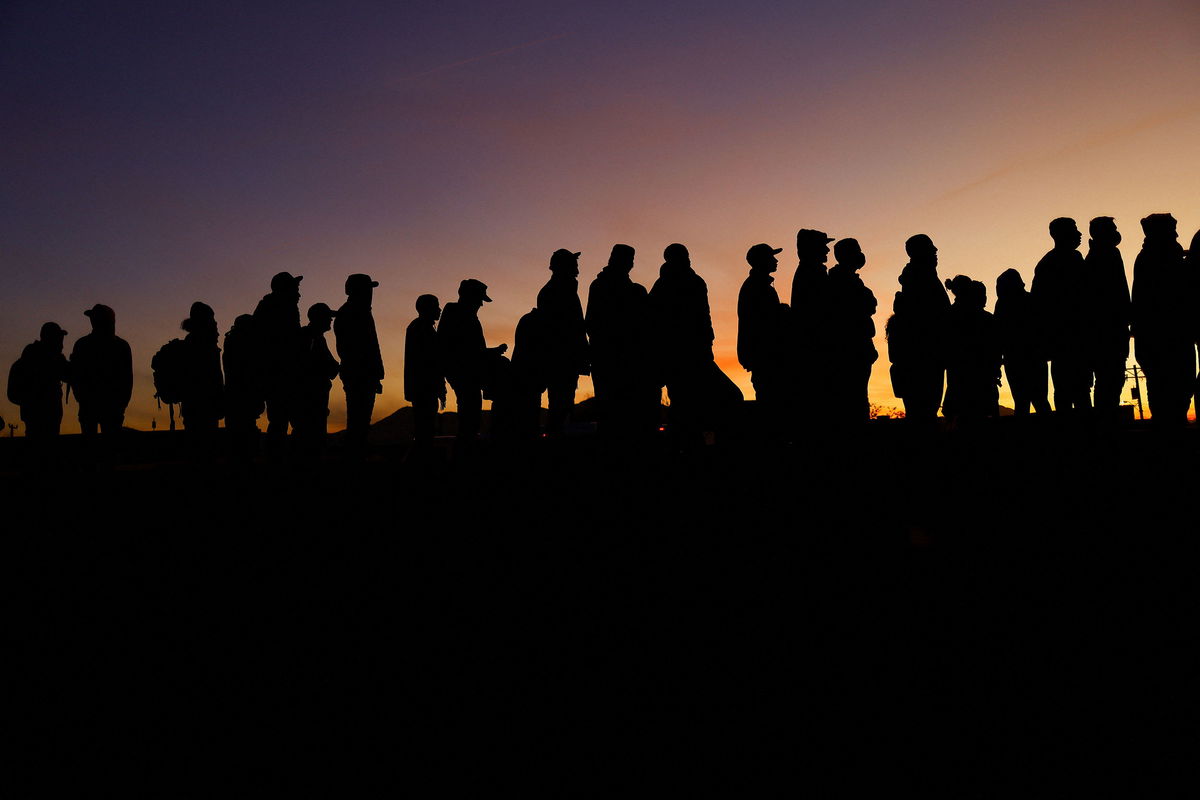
{"type": "Point", "coordinates": [1009, 283]}
{"type": "Point", "coordinates": [52, 336]}
{"type": "Point", "coordinates": [1160, 228]}
{"type": "Point", "coordinates": [428, 307]}
{"type": "Point", "coordinates": [847, 253]}
{"type": "Point", "coordinates": [812, 245]}
{"type": "Point", "coordinates": [1103, 232]}
{"type": "Point", "coordinates": [286, 285]}
{"type": "Point", "coordinates": [473, 293]}
{"type": "Point", "coordinates": [978, 294]}
{"type": "Point", "coordinates": [564, 262]}
{"type": "Point", "coordinates": [967, 292]}
{"type": "Point", "coordinates": [242, 323]}
{"type": "Point", "coordinates": [621, 258]}
{"type": "Point", "coordinates": [360, 287]}
{"type": "Point", "coordinates": [921, 250]}
{"type": "Point", "coordinates": [1065, 233]}
{"type": "Point", "coordinates": [677, 254]}
{"type": "Point", "coordinates": [1194, 249]}
{"type": "Point", "coordinates": [104, 319]}
{"type": "Point", "coordinates": [200, 319]}
{"type": "Point", "coordinates": [763, 257]}
{"type": "Point", "coordinates": [320, 316]}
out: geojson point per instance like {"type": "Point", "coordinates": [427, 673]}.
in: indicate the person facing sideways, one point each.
{"type": "Point", "coordinates": [807, 312]}
{"type": "Point", "coordinates": [424, 376]}
{"type": "Point", "coordinates": [465, 353]}
{"type": "Point", "coordinates": [277, 323]}
{"type": "Point", "coordinates": [244, 388]}
{"type": "Point", "coordinates": [1193, 303]}
{"type": "Point", "coordinates": [848, 335]}
{"type": "Point", "coordinates": [565, 348]}
{"type": "Point", "coordinates": [1058, 294]}
{"type": "Point", "coordinates": [973, 363]}
{"type": "Point", "coordinates": [102, 374]}
{"type": "Point", "coordinates": [762, 334]}
{"type": "Point", "coordinates": [617, 323]}
{"type": "Point", "coordinates": [202, 384]}
{"type": "Point", "coordinates": [1106, 314]}
{"type": "Point", "coordinates": [35, 383]}
{"type": "Point", "coordinates": [1021, 347]}
{"type": "Point", "coordinates": [362, 363]}
{"type": "Point", "coordinates": [318, 368]}
{"type": "Point", "coordinates": [1164, 321]}
{"type": "Point", "coordinates": [916, 333]}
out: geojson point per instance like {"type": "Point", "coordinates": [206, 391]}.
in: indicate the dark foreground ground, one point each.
{"type": "Point", "coordinates": [1010, 612]}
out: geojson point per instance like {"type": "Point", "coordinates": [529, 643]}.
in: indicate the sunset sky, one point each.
{"type": "Point", "coordinates": [157, 153]}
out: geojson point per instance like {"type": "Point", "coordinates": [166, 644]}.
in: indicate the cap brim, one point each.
{"type": "Point", "coordinates": [487, 299]}
{"type": "Point", "coordinates": [776, 250]}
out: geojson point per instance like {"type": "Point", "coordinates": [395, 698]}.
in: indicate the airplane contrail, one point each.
{"type": "Point", "coordinates": [486, 56]}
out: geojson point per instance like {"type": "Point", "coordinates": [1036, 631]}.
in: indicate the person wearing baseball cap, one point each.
{"type": "Point", "coordinates": [465, 353]}
{"type": "Point", "coordinates": [762, 335]}
{"type": "Point", "coordinates": [202, 398]}
{"type": "Point", "coordinates": [807, 312]}
{"type": "Point", "coordinates": [102, 375]}
{"type": "Point", "coordinates": [564, 346]}
{"type": "Point", "coordinates": [277, 323]}
{"type": "Point", "coordinates": [362, 362]}
{"type": "Point", "coordinates": [35, 383]}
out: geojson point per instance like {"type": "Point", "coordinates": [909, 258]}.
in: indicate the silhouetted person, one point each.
{"type": "Point", "coordinates": [849, 334]}
{"type": "Point", "coordinates": [763, 337]}
{"type": "Point", "coordinates": [465, 354]}
{"type": "Point", "coordinates": [916, 332]}
{"type": "Point", "coordinates": [244, 386]}
{"type": "Point", "coordinates": [1164, 321]}
{"type": "Point", "coordinates": [702, 396]}
{"type": "Point", "coordinates": [424, 374]}
{"type": "Point", "coordinates": [1193, 272]}
{"type": "Point", "coordinates": [277, 321]}
{"type": "Point", "coordinates": [618, 328]}
{"type": "Point", "coordinates": [362, 363]}
{"type": "Point", "coordinates": [1106, 314]}
{"type": "Point", "coordinates": [529, 375]}
{"type": "Point", "coordinates": [566, 347]}
{"type": "Point", "coordinates": [102, 375]}
{"type": "Point", "coordinates": [973, 359]}
{"type": "Point", "coordinates": [1058, 295]}
{"type": "Point", "coordinates": [1018, 329]}
{"type": "Point", "coordinates": [807, 311]}
{"type": "Point", "coordinates": [201, 382]}
{"type": "Point", "coordinates": [35, 383]}
{"type": "Point", "coordinates": [318, 368]}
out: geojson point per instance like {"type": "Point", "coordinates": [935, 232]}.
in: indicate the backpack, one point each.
{"type": "Point", "coordinates": [18, 381]}
{"type": "Point", "coordinates": [170, 368]}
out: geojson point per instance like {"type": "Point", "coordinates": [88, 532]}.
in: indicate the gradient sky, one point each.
{"type": "Point", "coordinates": [153, 154]}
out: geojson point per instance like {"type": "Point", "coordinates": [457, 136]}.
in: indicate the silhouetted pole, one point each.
{"type": "Point", "coordinates": [1135, 373]}
{"type": "Point", "coordinates": [12, 430]}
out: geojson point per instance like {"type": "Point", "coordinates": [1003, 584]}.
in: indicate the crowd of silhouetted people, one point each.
{"type": "Point", "coordinates": [808, 359]}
